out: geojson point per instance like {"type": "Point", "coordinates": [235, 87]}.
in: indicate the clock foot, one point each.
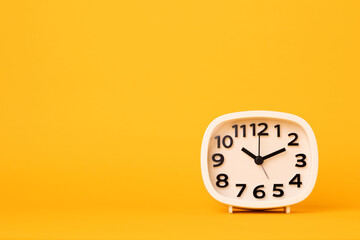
{"type": "Point", "coordinates": [230, 209]}
{"type": "Point", "coordinates": [287, 209]}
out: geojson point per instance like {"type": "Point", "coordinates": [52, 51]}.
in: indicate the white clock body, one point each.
{"type": "Point", "coordinates": [259, 159]}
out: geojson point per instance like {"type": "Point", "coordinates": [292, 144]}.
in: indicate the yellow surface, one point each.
{"type": "Point", "coordinates": [104, 104]}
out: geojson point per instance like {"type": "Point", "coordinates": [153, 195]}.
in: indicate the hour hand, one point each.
{"type": "Point", "coordinates": [274, 153]}
{"type": "Point", "coordinates": [248, 153]}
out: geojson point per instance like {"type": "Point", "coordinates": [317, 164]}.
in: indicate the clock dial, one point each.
{"type": "Point", "coordinates": [259, 159]}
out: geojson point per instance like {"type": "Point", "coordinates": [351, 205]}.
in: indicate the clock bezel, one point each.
{"type": "Point", "coordinates": [260, 204]}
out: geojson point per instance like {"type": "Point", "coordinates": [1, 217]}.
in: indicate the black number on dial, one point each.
{"type": "Point", "coordinates": [277, 189]}
{"type": "Point", "coordinates": [225, 143]}
{"type": "Point", "coordinates": [218, 141]}
{"type": "Point", "coordinates": [222, 180]}
{"type": "Point", "coordinates": [253, 129]}
{"type": "Point", "coordinates": [292, 142]}
{"type": "Point", "coordinates": [278, 129]}
{"type": "Point", "coordinates": [219, 158]}
{"type": "Point", "coordinates": [262, 132]}
{"type": "Point", "coordinates": [296, 181]}
{"type": "Point", "coordinates": [301, 160]}
{"type": "Point", "coordinates": [243, 186]}
{"type": "Point", "coordinates": [236, 130]}
{"type": "Point", "coordinates": [230, 141]}
{"type": "Point", "coordinates": [244, 130]}
{"type": "Point", "coordinates": [258, 193]}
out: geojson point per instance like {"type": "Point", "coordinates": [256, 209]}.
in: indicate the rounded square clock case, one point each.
{"type": "Point", "coordinates": [259, 159]}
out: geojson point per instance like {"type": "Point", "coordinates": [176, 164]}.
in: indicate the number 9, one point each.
{"type": "Point", "coordinates": [219, 158]}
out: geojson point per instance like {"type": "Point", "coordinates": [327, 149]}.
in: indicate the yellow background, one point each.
{"type": "Point", "coordinates": [104, 104]}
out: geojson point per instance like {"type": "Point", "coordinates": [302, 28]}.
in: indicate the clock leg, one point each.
{"type": "Point", "coordinates": [287, 209]}
{"type": "Point", "coordinates": [230, 209]}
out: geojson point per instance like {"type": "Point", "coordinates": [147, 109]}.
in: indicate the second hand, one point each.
{"type": "Point", "coordinates": [264, 171]}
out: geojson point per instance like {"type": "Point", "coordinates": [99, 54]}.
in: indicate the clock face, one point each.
{"type": "Point", "coordinates": [259, 161]}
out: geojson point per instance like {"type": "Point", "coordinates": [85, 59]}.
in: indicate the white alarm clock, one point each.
{"type": "Point", "coordinates": [259, 160]}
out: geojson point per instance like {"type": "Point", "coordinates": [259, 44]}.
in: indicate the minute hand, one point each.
{"type": "Point", "coordinates": [274, 153]}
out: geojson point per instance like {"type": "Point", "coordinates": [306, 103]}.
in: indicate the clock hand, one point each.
{"type": "Point", "coordinates": [259, 146]}
{"type": "Point", "coordinates": [264, 171]}
{"type": "Point", "coordinates": [259, 160]}
{"type": "Point", "coordinates": [274, 153]}
{"type": "Point", "coordinates": [248, 153]}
